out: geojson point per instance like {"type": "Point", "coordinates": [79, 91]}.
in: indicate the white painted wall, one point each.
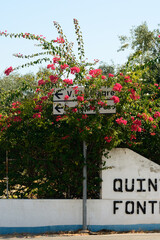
{"type": "Point", "coordinates": [126, 164]}
{"type": "Point", "coordinates": [123, 164]}
{"type": "Point", "coordinates": [38, 213]}
{"type": "Point", "coordinates": [34, 213]}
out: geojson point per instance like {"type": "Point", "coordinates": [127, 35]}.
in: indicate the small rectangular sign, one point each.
{"type": "Point", "coordinates": [59, 102]}
{"type": "Point", "coordinates": [60, 94]}
{"type": "Point", "coordinates": [58, 108]}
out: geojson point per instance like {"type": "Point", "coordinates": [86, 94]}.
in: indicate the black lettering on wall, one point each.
{"type": "Point", "coordinates": [154, 185]}
{"type": "Point", "coordinates": [129, 207]}
{"type": "Point", "coordinates": [143, 208]}
{"type": "Point", "coordinates": [117, 185]}
{"type": "Point", "coordinates": [115, 207]}
{"type": "Point", "coordinates": [152, 206]}
{"type": "Point", "coordinates": [141, 180]}
{"type": "Point", "coordinates": [131, 189]}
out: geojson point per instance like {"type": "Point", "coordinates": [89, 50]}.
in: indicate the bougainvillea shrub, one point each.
{"type": "Point", "coordinates": [47, 149]}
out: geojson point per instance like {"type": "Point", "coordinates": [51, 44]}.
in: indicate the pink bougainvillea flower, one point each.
{"type": "Point", "coordinates": [8, 71]}
{"type": "Point", "coordinates": [59, 40]}
{"type": "Point", "coordinates": [121, 121]}
{"type": "Point", "coordinates": [108, 139]}
{"type": "Point", "coordinates": [136, 128]}
{"type": "Point", "coordinates": [103, 77]}
{"type": "Point", "coordinates": [58, 118]}
{"type": "Point", "coordinates": [64, 66]}
{"type": "Point", "coordinates": [110, 75]}
{"type": "Point", "coordinates": [101, 103]}
{"type": "Point", "coordinates": [115, 99]}
{"type": "Point", "coordinates": [51, 66]}
{"type": "Point", "coordinates": [38, 107]}
{"type": "Point", "coordinates": [16, 105]}
{"type": "Point", "coordinates": [76, 91]}
{"type": "Point", "coordinates": [92, 107]}
{"type": "Point", "coordinates": [18, 112]}
{"type": "Point", "coordinates": [50, 93]}
{"type": "Point", "coordinates": [53, 78]}
{"type": "Point", "coordinates": [157, 114]}
{"type": "Point", "coordinates": [80, 98]}
{"type": "Point", "coordinates": [134, 97]}
{"type": "Point", "coordinates": [74, 110]}
{"type": "Point", "coordinates": [132, 137]}
{"type": "Point", "coordinates": [75, 87]}
{"type": "Point", "coordinates": [133, 94]}
{"type": "Point", "coordinates": [95, 72]}
{"type": "Point", "coordinates": [17, 119]}
{"type": "Point", "coordinates": [66, 97]}
{"type": "Point", "coordinates": [68, 81]}
{"type": "Point", "coordinates": [56, 59]}
{"type": "Point", "coordinates": [65, 137]}
{"type": "Point", "coordinates": [137, 122]}
{"type": "Point", "coordinates": [44, 98]}
{"type": "Point", "coordinates": [153, 133]}
{"type": "Point", "coordinates": [117, 87]}
{"type": "Point", "coordinates": [150, 119]}
{"type": "Point", "coordinates": [36, 115]}
{"type": "Point", "coordinates": [41, 82]}
{"type": "Point", "coordinates": [75, 70]}
{"type": "Point", "coordinates": [127, 79]}
{"type": "Point", "coordinates": [144, 116]}
{"type": "Point", "coordinates": [84, 116]}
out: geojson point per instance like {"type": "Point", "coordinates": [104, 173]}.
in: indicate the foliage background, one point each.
{"type": "Point", "coordinates": [46, 150]}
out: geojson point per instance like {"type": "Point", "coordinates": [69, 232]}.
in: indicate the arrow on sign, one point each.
{"type": "Point", "coordinates": [57, 94]}
{"type": "Point", "coordinates": [57, 108]}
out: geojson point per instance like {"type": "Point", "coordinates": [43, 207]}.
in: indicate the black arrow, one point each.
{"type": "Point", "coordinates": [58, 108]}
{"type": "Point", "coordinates": [57, 94]}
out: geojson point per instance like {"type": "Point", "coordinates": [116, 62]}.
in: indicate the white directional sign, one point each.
{"type": "Point", "coordinates": [59, 102]}
{"type": "Point", "coordinates": [61, 93]}
{"type": "Point", "coordinates": [58, 107]}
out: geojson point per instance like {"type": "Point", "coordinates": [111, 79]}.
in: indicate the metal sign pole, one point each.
{"type": "Point", "coordinates": [7, 172]}
{"type": "Point", "coordinates": [85, 186]}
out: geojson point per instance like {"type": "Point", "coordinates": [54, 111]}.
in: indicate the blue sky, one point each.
{"type": "Point", "coordinates": [101, 23]}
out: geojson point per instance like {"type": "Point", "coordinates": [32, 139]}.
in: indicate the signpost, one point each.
{"type": "Point", "coordinates": [59, 104]}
